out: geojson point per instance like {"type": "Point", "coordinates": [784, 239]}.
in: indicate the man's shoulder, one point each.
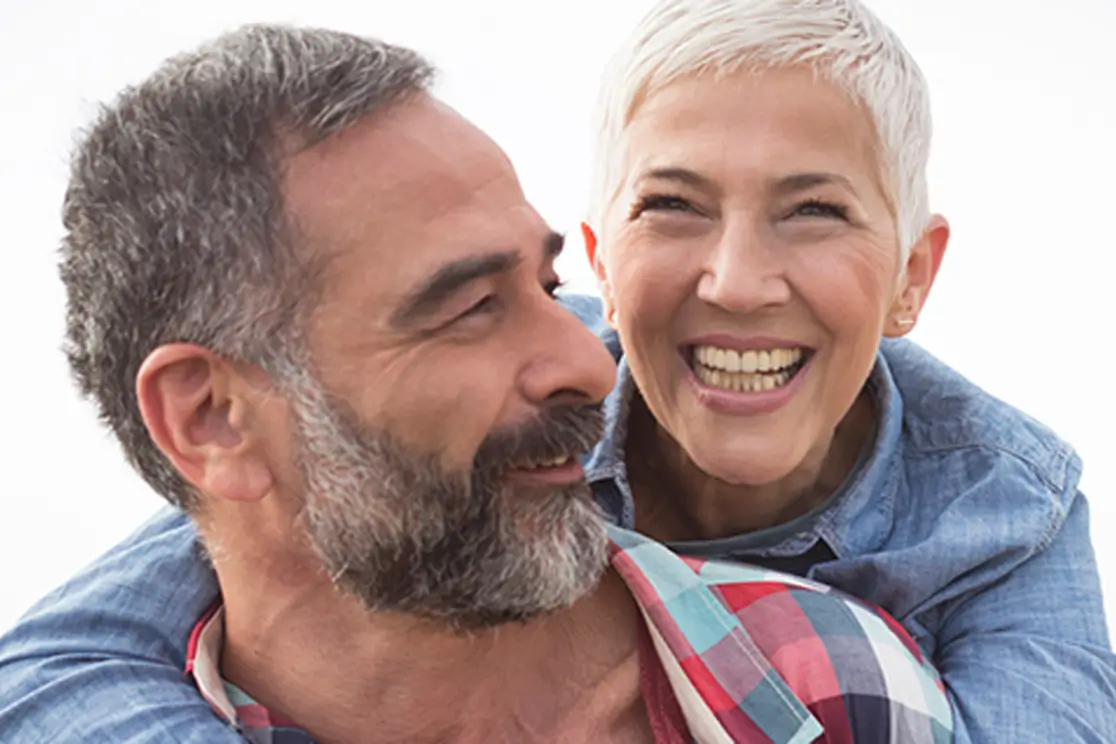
{"type": "Point", "coordinates": [946, 416]}
{"type": "Point", "coordinates": [787, 643]}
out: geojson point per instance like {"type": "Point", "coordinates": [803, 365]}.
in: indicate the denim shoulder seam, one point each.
{"type": "Point", "coordinates": [1055, 475]}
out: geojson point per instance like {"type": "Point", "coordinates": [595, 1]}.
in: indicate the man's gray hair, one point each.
{"type": "Point", "coordinates": [175, 224]}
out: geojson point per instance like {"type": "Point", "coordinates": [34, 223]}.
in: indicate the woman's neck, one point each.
{"type": "Point", "coordinates": [677, 501]}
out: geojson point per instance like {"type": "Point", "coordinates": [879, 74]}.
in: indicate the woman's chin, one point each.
{"type": "Point", "coordinates": [739, 467]}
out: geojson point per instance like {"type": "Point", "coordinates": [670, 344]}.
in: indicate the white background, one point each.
{"type": "Point", "coordinates": [1024, 165]}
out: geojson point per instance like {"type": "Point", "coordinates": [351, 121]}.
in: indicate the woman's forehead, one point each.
{"type": "Point", "coordinates": [753, 124]}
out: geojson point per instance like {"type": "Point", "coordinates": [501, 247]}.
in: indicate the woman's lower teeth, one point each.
{"type": "Point", "coordinates": [742, 382]}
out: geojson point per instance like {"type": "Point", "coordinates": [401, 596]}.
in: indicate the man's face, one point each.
{"type": "Point", "coordinates": [446, 395]}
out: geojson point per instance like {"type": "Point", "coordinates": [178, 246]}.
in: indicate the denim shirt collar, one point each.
{"type": "Point", "coordinates": [856, 519]}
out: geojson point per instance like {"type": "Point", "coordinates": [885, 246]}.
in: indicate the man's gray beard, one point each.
{"type": "Point", "coordinates": [401, 533]}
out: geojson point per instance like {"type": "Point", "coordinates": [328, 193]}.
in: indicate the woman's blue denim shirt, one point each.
{"type": "Point", "coordinates": [965, 522]}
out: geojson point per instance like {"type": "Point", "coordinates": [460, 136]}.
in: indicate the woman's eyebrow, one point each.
{"type": "Point", "coordinates": [677, 173]}
{"type": "Point", "coordinates": [796, 182]}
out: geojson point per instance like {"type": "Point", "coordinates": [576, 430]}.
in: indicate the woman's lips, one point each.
{"type": "Point", "coordinates": [776, 378]}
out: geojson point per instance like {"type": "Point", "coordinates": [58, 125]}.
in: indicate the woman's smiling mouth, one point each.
{"type": "Point", "coordinates": [747, 371]}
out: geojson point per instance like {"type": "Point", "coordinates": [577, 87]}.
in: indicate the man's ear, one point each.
{"type": "Point", "coordinates": [918, 277]}
{"type": "Point", "coordinates": [200, 412]}
{"type": "Point", "coordinates": [592, 253]}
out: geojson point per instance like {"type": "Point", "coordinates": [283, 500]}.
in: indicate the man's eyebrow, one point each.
{"type": "Point", "coordinates": [805, 181]}
{"type": "Point", "coordinates": [429, 295]}
{"type": "Point", "coordinates": [432, 292]}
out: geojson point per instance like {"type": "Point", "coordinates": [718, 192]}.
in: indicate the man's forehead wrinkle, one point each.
{"type": "Point", "coordinates": [419, 148]}
{"type": "Point", "coordinates": [348, 201]}
{"type": "Point", "coordinates": [396, 196]}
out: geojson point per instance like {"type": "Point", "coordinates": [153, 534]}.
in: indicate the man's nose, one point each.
{"type": "Point", "coordinates": [569, 365]}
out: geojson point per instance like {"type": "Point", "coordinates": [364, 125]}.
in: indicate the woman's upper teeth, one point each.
{"type": "Point", "coordinates": [753, 360]}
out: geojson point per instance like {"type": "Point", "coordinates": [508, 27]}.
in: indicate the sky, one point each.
{"type": "Point", "coordinates": [1024, 98]}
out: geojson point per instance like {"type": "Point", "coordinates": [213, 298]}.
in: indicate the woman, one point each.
{"type": "Point", "coordinates": [762, 219]}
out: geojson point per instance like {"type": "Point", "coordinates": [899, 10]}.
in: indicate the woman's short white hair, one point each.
{"type": "Point", "coordinates": [841, 40]}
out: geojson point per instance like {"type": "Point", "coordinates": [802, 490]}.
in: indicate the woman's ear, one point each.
{"type": "Point", "coordinates": [918, 277]}
{"type": "Point", "coordinates": [594, 256]}
{"type": "Point", "coordinates": [590, 239]}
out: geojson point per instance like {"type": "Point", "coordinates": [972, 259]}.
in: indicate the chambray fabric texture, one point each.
{"type": "Point", "coordinates": [964, 521]}
{"type": "Point", "coordinates": [755, 657]}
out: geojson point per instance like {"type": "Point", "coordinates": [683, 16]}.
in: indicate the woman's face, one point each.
{"type": "Point", "coordinates": [752, 262]}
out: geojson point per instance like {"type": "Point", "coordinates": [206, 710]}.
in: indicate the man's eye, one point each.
{"type": "Point", "coordinates": [484, 305]}
{"type": "Point", "coordinates": [660, 203]}
{"type": "Point", "coordinates": [819, 208]}
{"type": "Point", "coordinates": [552, 287]}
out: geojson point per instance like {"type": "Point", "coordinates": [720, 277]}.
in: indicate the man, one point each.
{"type": "Point", "coordinates": [314, 307]}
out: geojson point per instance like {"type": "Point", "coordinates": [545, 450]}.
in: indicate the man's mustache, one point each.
{"type": "Point", "coordinates": [556, 433]}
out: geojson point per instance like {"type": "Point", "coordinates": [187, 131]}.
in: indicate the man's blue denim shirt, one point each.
{"type": "Point", "coordinates": [964, 521]}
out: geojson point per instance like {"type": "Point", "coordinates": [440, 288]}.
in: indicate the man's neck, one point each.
{"type": "Point", "coordinates": [317, 657]}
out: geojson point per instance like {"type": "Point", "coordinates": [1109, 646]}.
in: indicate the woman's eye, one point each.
{"type": "Point", "coordinates": [818, 208]}
{"type": "Point", "coordinates": [660, 203]}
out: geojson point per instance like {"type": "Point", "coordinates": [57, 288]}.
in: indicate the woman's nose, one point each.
{"type": "Point", "coordinates": [743, 273]}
